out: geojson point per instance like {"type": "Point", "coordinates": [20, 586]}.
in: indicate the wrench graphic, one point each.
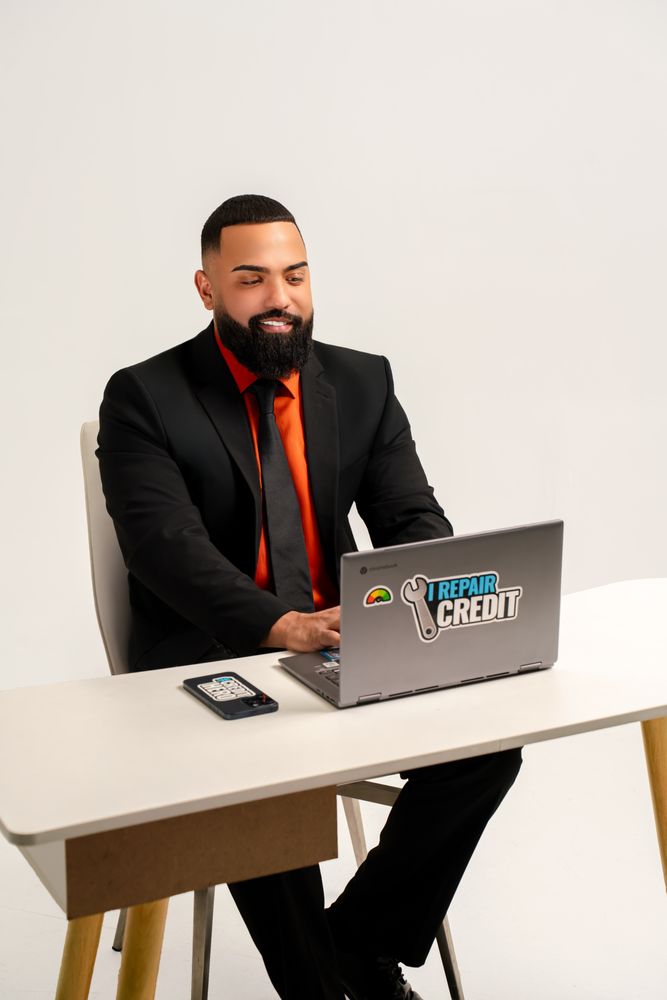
{"type": "Point", "coordinates": [414, 592]}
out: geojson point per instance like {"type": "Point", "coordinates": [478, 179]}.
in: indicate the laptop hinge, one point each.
{"type": "Point", "coordinates": [369, 697]}
{"type": "Point", "coordinates": [530, 666]}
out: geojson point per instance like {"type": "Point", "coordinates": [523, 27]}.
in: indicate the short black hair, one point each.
{"type": "Point", "coordinates": [242, 209]}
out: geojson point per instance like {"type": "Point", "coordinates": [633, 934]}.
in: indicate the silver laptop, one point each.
{"type": "Point", "coordinates": [436, 614]}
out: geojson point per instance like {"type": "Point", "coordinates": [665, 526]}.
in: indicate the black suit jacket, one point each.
{"type": "Point", "coordinates": [180, 478]}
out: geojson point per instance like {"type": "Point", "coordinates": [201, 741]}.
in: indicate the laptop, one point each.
{"type": "Point", "coordinates": [441, 613]}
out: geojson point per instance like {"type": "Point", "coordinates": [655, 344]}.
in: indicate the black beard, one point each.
{"type": "Point", "coordinates": [267, 355]}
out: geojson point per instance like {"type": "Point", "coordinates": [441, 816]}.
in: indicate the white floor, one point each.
{"type": "Point", "coordinates": [564, 898]}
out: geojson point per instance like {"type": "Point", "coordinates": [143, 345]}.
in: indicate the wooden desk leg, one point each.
{"type": "Point", "coordinates": [142, 946]}
{"type": "Point", "coordinates": [78, 961]}
{"type": "Point", "coordinates": [654, 732]}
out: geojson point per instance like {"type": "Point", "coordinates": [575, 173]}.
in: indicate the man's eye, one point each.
{"type": "Point", "coordinates": [295, 279]}
{"type": "Point", "coordinates": [250, 281]}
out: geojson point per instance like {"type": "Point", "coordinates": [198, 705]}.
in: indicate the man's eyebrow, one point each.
{"type": "Point", "coordinates": [265, 270]}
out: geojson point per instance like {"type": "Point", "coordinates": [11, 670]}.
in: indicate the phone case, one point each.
{"type": "Point", "coordinates": [228, 694]}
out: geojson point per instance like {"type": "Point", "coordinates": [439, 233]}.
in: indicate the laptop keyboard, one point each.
{"type": "Point", "coordinates": [331, 666]}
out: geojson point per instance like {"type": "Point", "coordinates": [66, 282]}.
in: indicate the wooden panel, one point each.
{"type": "Point", "coordinates": [106, 871]}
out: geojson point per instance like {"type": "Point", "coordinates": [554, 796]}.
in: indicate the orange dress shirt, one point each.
{"type": "Point", "coordinates": [289, 418]}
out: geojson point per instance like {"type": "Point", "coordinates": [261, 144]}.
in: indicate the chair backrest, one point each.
{"type": "Point", "coordinates": [112, 602]}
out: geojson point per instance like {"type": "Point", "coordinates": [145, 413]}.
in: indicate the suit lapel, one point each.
{"type": "Point", "coordinates": [219, 395]}
{"type": "Point", "coordinates": [321, 432]}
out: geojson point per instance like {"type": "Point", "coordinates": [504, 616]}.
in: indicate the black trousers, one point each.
{"type": "Point", "coordinates": [395, 902]}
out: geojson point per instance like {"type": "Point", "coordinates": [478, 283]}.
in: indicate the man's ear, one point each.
{"type": "Point", "coordinates": [203, 286]}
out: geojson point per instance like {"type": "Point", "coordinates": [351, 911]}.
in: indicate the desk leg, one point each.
{"type": "Point", "coordinates": [142, 946]}
{"type": "Point", "coordinates": [654, 732]}
{"type": "Point", "coordinates": [78, 961]}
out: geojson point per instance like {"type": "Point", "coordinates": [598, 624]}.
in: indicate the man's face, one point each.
{"type": "Point", "coordinates": [258, 288]}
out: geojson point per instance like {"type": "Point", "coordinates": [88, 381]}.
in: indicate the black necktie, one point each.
{"type": "Point", "coordinates": [287, 548]}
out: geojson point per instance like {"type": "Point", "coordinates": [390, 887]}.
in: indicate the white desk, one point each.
{"type": "Point", "coordinates": [106, 782]}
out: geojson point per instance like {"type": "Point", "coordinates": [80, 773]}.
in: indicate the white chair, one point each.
{"type": "Point", "coordinates": [112, 600]}
{"type": "Point", "coordinates": [112, 605]}
{"type": "Point", "coordinates": [110, 590]}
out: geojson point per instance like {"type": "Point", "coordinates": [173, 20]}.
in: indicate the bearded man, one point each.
{"type": "Point", "coordinates": [213, 576]}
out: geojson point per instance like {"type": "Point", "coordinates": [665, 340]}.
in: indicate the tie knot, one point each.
{"type": "Point", "coordinates": [265, 390]}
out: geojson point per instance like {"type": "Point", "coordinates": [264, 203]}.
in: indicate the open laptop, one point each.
{"type": "Point", "coordinates": [436, 614]}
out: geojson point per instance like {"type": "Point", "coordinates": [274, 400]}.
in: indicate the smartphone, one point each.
{"type": "Point", "coordinates": [230, 695]}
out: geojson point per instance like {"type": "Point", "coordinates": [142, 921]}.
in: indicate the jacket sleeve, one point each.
{"type": "Point", "coordinates": [394, 499]}
{"type": "Point", "coordinates": [164, 542]}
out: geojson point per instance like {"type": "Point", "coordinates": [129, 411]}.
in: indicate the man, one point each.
{"type": "Point", "coordinates": [230, 464]}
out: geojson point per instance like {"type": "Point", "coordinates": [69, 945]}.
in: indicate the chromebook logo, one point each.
{"type": "Point", "coordinates": [378, 595]}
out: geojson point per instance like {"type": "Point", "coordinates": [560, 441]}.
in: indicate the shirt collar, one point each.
{"type": "Point", "coordinates": [244, 377]}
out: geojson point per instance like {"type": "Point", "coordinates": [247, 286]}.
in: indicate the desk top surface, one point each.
{"type": "Point", "coordinates": [83, 756]}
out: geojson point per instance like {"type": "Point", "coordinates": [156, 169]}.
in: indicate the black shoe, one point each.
{"type": "Point", "coordinates": [373, 979]}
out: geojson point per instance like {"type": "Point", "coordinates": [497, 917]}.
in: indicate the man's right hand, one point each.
{"type": "Point", "coordinates": [305, 633]}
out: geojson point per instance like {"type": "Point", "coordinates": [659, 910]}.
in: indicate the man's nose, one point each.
{"type": "Point", "coordinates": [277, 295]}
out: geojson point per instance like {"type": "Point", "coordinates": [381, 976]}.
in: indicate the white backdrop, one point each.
{"type": "Point", "coordinates": [481, 187]}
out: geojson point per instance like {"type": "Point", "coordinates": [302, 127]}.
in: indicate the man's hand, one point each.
{"type": "Point", "coordinates": [305, 633]}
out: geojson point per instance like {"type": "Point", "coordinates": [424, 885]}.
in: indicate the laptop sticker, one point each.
{"type": "Point", "coordinates": [458, 602]}
{"type": "Point", "coordinates": [378, 595]}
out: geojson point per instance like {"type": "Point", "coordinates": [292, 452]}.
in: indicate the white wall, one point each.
{"type": "Point", "coordinates": [482, 189]}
